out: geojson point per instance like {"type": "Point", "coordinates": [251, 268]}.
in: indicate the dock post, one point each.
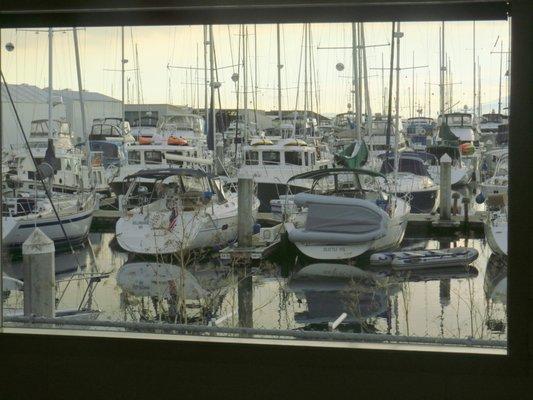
{"type": "Point", "coordinates": [466, 202]}
{"type": "Point", "coordinates": [455, 197]}
{"type": "Point", "coordinates": [445, 187]}
{"type": "Point", "coordinates": [245, 217]}
{"type": "Point", "coordinates": [38, 253]}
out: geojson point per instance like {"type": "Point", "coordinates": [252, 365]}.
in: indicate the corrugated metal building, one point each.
{"type": "Point", "coordinates": [32, 103]}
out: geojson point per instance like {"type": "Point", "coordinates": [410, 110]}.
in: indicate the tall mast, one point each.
{"type": "Point", "coordinates": [206, 114]}
{"type": "Point", "coordinates": [123, 74]}
{"type": "Point", "coordinates": [212, 86]}
{"type": "Point", "coordinates": [80, 87]}
{"type": "Point", "coordinates": [355, 63]}
{"type": "Point", "coordinates": [480, 111]}
{"type": "Point", "coordinates": [359, 81]}
{"type": "Point", "coordinates": [397, 120]}
{"type": "Point", "coordinates": [442, 69]}
{"type": "Point", "coordinates": [368, 108]}
{"type": "Point", "coordinates": [500, 85]}
{"type": "Point", "coordinates": [245, 73]}
{"type": "Point", "coordinates": [255, 77]}
{"type": "Point", "coordinates": [279, 75]}
{"type": "Point", "coordinates": [382, 86]}
{"type": "Point", "coordinates": [474, 67]}
{"type": "Point", "coordinates": [305, 80]}
{"type": "Point", "coordinates": [413, 88]}
{"type": "Point", "coordinates": [50, 80]}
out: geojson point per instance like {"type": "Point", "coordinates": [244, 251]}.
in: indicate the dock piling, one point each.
{"type": "Point", "coordinates": [445, 187]}
{"type": "Point", "coordinates": [38, 253]}
{"type": "Point", "coordinates": [245, 217]}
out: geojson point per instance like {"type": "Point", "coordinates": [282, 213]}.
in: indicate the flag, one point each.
{"type": "Point", "coordinates": [172, 219]}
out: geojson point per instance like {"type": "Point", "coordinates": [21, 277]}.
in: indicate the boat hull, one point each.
{"type": "Point", "coordinates": [423, 201]}
{"type": "Point", "coordinates": [76, 227]}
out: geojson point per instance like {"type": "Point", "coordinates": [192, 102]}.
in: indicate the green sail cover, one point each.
{"type": "Point", "coordinates": [446, 134]}
{"type": "Point", "coordinates": [353, 156]}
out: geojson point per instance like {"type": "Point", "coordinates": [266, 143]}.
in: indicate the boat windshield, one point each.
{"type": "Point", "coordinates": [458, 120]}
{"type": "Point", "coordinates": [409, 165]}
{"type": "Point", "coordinates": [189, 122]}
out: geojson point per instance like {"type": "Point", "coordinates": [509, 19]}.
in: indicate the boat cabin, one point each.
{"type": "Point", "coordinates": [415, 164]}
{"type": "Point", "coordinates": [61, 134]}
{"type": "Point", "coordinates": [193, 187]}
{"type": "Point", "coordinates": [289, 152]}
{"type": "Point", "coordinates": [165, 155]}
{"type": "Point", "coordinates": [420, 125]}
{"type": "Point", "coordinates": [183, 123]}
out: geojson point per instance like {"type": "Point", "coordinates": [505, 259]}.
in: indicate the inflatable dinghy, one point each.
{"type": "Point", "coordinates": [459, 256]}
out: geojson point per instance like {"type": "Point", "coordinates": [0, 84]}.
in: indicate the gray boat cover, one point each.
{"type": "Point", "coordinates": [339, 220]}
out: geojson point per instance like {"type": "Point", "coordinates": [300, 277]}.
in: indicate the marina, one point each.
{"type": "Point", "coordinates": [375, 226]}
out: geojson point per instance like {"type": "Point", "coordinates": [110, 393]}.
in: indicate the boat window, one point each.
{"type": "Point", "coordinates": [271, 157]}
{"type": "Point", "coordinates": [134, 157]}
{"type": "Point", "coordinates": [293, 157]}
{"type": "Point", "coordinates": [252, 157]}
{"type": "Point", "coordinates": [153, 157]}
{"type": "Point", "coordinates": [306, 156]}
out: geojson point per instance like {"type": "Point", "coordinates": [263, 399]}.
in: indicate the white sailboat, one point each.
{"type": "Point", "coordinates": [344, 215]}
{"type": "Point", "coordinates": [185, 210]}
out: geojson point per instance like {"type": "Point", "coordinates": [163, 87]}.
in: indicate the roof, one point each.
{"type": "Point", "coordinates": [162, 173]}
{"type": "Point", "coordinates": [320, 173]}
{"type": "Point", "coordinates": [24, 93]}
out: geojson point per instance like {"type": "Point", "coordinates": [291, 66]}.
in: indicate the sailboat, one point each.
{"type": "Point", "coordinates": [186, 209]}
{"type": "Point", "coordinates": [344, 215]}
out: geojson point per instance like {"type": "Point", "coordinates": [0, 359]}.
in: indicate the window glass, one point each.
{"type": "Point", "coordinates": [252, 157]}
{"type": "Point", "coordinates": [293, 157]}
{"type": "Point", "coordinates": [271, 157]}
{"type": "Point", "coordinates": [153, 157]}
{"type": "Point", "coordinates": [134, 157]}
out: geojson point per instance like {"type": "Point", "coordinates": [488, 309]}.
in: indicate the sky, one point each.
{"type": "Point", "coordinates": [159, 47]}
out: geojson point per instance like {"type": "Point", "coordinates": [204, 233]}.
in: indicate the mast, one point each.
{"type": "Point", "coordinates": [382, 86]}
{"type": "Point", "coordinates": [211, 140]}
{"type": "Point", "coordinates": [480, 111]}
{"type": "Point", "coordinates": [245, 73]}
{"type": "Point", "coordinates": [278, 39]}
{"type": "Point", "coordinates": [397, 118]}
{"type": "Point", "coordinates": [205, 80]}
{"type": "Point", "coordinates": [80, 87]}
{"type": "Point", "coordinates": [50, 80]}
{"type": "Point", "coordinates": [355, 62]}
{"type": "Point", "coordinates": [255, 77]}
{"type": "Point", "coordinates": [500, 84]}
{"type": "Point", "coordinates": [474, 67]}
{"type": "Point", "coordinates": [123, 74]}
{"type": "Point", "coordinates": [413, 88]}
{"type": "Point", "coordinates": [442, 69]}
{"type": "Point", "coordinates": [305, 79]}
{"type": "Point", "coordinates": [368, 108]}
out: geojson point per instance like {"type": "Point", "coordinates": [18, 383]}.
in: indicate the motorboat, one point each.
{"type": "Point", "coordinates": [496, 230]}
{"type": "Point", "coordinates": [156, 156]}
{"type": "Point", "coordinates": [344, 214]}
{"type": "Point", "coordinates": [272, 165]}
{"type": "Point", "coordinates": [185, 209]}
{"type": "Point", "coordinates": [462, 170]}
{"type": "Point", "coordinates": [498, 183]}
{"type": "Point", "coordinates": [145, 126]}
{"type": "Point", "coordinates": [489, 124]}
{"type": "Point", "coordinates": [420, 126]}
{"type": "Point", "coordinates": [412, 181]}
{"type": "Point", "coordinates": [459, 127]}
{"type": "Point", "coordinates": [457, 256]}
{"type": "Point", "coordinates": [25, 212]}
{"type": "Point", "coordinates": [187, 126]}
{"type": "Point", "coordinates": [111, 128]}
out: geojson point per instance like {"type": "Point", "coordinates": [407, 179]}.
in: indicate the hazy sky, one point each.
{"type": "Point", "coordinates": [159, 46]}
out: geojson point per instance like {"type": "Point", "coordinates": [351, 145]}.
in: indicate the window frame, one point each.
{"type": "Point", "coordinates": [89, 349]}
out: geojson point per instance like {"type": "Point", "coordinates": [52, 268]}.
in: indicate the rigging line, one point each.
{"type": "Point", "coordinates": [48, 195]}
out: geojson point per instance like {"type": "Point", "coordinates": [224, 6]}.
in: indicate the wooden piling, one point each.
{"type": "Point", "coordinates": [445, 187]}
{"type": "Point", "coordinates": [245, 217]}
{"type": "Point", "coordinates": [38, 252]}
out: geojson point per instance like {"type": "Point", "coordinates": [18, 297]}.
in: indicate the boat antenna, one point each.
{"type": "Point", "coordinates": [39, 175]}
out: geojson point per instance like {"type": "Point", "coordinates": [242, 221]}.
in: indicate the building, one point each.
{"type": "Point", "coordinates": [133, 112]}
{"type": "Point", "coordinates": [32, 103]}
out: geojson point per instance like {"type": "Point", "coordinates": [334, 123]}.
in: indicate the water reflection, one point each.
{"type": "Point", "coordinates": [285, 292]}
{"type": "Point", "coordinates": [332, 289]}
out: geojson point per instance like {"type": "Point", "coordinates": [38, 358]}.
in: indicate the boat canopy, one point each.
{"type": "Point", "coordinates": [321, 173]}
{"type": "Point", "coordinates": [413, 164]}
{"type": "Point", "coordinates": [162, 173]}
